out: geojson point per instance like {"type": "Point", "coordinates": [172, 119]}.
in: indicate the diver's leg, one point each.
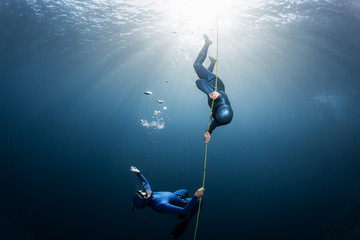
{"type": "Point", "coordinates": [212, 64]}
{"type": "Point", "coordinates": [211, 67]}
{"type": "Point", "coordinates": [203, 52]}
{"type": "Point", "coordinates": [200, 70]}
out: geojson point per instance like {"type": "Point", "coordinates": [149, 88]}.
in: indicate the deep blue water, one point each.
{"type": "Point", "coordinates": [73, 118]}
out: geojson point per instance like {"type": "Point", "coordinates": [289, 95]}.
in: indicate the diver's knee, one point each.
{"type": "Point", "coordinates": [196, 65]}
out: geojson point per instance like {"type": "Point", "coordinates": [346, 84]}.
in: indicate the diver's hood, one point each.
{"type": "Point", "coordinates": [224, 115]}
{"type": "Point", "coordinates": [139, 202]}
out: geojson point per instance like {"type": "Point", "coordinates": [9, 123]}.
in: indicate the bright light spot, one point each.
{"type": "Point", "coordinates": [197, 11]}
{"type": "Point", "coordinates": [195, 15]}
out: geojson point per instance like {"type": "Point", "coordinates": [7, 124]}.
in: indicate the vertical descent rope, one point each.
{"type": "Point", "coordinates": [207, 131]}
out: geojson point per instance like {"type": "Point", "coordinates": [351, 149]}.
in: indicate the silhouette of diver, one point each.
{"type": "Point", "coordinates": [167, 202]}
{"type": "Point", "coordinates": [222, 112]}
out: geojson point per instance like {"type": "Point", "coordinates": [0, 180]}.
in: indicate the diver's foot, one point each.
{"type": "Point", "coordinates": [213, 60]}
{"type": "Point", "coordinates": [207, 40]}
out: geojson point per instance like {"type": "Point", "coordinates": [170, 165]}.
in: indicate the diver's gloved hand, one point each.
{"type": "Point", "coordinates": [200, 192]}
{"type": "Point", "coordinates": [134, 170]}
{"type": "Point", "coordinates": [207, 137]}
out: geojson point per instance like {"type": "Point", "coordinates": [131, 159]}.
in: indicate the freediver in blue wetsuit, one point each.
{"type": "Point", "coordinates": [165, 202]}
{"type": "Point", "coordinates": [222, 112]}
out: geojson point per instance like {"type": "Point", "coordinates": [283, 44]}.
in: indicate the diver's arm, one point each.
{"type": "Point", "coordinates": [204, 87]}
{"type": "Point", "coordinates": [213, 125]}
{"type": "Point", "coordinates": [207, 135]}
{"type": "Point", "coordinates": [166, 207]}
{"type": "Point", "coordinates": [143, 181]}
{"type": "Point", "coordinates": [172, 209]}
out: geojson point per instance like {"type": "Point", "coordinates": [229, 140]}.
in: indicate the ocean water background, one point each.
{"type": "Point", "coordinates": [74, 118]}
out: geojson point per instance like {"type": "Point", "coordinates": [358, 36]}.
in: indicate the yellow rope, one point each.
{"type": "Point", "coordinates": [207, 131]}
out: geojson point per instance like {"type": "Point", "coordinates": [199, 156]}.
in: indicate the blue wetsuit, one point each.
{"type": "Point", "coordinates": [166, 202]}
{"type": "Point", "coordinates": [222, 111]}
